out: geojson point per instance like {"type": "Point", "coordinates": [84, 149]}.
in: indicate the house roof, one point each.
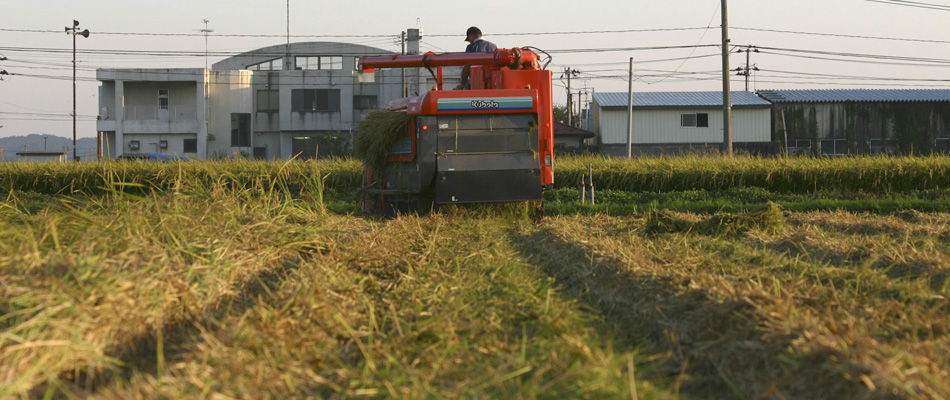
{"type": "Point", "coordinates": [41, 153]}
{"type": "Point", "coordinates": [678, 100]}
{"type": "Point", "coordinates": [567, 130]}
{"type": "Point", "coordinates": [856, 95]}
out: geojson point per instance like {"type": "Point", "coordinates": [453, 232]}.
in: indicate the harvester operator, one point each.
{"type": "Point", "coordinates": [475, 45]}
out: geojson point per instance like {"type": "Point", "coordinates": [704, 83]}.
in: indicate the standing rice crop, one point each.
{"type": "Point", "coordinates": [885, 174]}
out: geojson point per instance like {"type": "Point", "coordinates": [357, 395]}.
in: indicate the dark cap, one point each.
{"type": "Point", "coordinates": [472, 31]}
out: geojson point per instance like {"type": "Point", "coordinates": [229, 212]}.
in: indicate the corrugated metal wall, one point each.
{"type": "Point", "coordinates": [911, 126]}
{"type": "Point", "coordinates": [663, 126]}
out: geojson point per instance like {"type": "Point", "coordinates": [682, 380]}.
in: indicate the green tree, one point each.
{"type": "Point", "coordinates": [560, 113]}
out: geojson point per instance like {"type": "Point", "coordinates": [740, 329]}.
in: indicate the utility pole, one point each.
{"type": "Point", "coordinates": [726, 94]}
{"type": "Point", "coordinates": [405, 89]}
{"type": "Point", "coordinates": [581, 104]}
{"type": "Point", "coordinates": [570, 104]}
{"type": "Point", "coordinates": [570, 108]}
{"type": "Point", "coordinates": [74, 30]}
{"type": "Point", "coordinates": [630, 111]}
{"type": "Point", "coordinates": [748, 68]}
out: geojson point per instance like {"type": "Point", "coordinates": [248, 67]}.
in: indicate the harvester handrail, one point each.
{"type": "Point", "coordinates": [515, 58]}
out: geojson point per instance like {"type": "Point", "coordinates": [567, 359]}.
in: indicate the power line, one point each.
{"type": "Point", "coordinates": [591, 32]}
{"type": "Point", "coordinates": [914, 4]}
{"type": "Point", "coordinates": [191, 53]}
{"type": "Point", "coordinates": [45, 31]}
{"type": "Point", "coordinates": [842, 35]}
{"type": "Point", "coordinates": [821, 56]}
{"type": "Point", "coordinates": [701, 37]}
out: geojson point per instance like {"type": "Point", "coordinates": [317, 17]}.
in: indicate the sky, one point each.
{"type": "Point", "coordinates": [675, 44]}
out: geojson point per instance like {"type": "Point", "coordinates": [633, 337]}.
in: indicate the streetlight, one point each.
{"type": "Point", "coordinates": [85, 33]}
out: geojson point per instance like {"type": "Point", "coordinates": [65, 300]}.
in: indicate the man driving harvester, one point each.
{"type": "Point", "coordinates": [475, 45]}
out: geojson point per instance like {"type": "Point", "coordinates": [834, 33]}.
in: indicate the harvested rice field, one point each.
{"type": "Point", "coordinates": [254, 285]}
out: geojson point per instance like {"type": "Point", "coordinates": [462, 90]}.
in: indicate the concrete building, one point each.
{"type": "Point", "coordinates": [678, 122]}
{"type": "Point", "coordinates": [861, 121]}
{"type": "Point", "coordinates": [276, 102]}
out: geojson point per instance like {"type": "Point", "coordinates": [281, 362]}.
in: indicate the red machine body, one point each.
{"type": "Point", "coordinates": [508, 81]}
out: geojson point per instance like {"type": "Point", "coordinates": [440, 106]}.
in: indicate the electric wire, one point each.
{"type": "Point", "coordinates": [914, 4]}
{"type": "Point", "coordinates": [701, 37]}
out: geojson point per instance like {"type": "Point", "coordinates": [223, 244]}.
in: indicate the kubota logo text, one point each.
{"type": "Point", "coordinates": [484, 104]}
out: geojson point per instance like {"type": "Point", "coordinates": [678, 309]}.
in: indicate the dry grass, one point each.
{"type": "Point", "coordinates": [770, 219]}
{"type": "Point", "coordinates": [84, 283]}
{"type": "Point", "coordinates": [225, 290]}
{"type": "Point", "coordinates": [837, 305]}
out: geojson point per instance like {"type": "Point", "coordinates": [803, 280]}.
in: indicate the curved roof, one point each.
{"type": "Point", "coordinates": [264, 54]}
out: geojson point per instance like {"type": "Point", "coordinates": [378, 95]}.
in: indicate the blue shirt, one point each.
{"type": "Point", "coordinates": [481, 46]}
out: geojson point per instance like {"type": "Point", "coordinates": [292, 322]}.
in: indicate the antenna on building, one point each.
{"type": "Point", "coordinates": [206, 32]}
{"type": "Point", "coordinates": [288, 37]}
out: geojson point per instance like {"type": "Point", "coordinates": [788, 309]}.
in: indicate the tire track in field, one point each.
{"type": "Point", "coordinates": [715, 347]}
{"type": "Point", "coordinates": [259, 277]}
{"type": "Point", "coordinates": [313, 303]}
{"type": "Point", "coordinates": [138, 353]}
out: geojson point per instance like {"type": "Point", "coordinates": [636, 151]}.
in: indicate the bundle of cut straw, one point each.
{"type": "Point", "coordinates": [378, 131]}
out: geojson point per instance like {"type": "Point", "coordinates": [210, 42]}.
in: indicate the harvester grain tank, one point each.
{"type": "Point", "coordinates": [492, 143]}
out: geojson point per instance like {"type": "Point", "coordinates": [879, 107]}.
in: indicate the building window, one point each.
{"type": "Point", "coordinates": [886, 146]}
{"type": "Point", "coordinates": [268, 100]}
{"type": "Point", "coordinates": [833, 147]}
{"type": "Point", "coordinates": [134, 145]}
{"type": "Point", "coordinates": [190, 145]}
{"type": "Point", "coordinates": [365, 102]}
{"type": "Point", "coordinates": [304, 147]}
{"type": "Point", "coordinates": [315, 100]}
{"type": "Point", "coordinates": [270, 65]}
{"type": "Point", "coordinates": [163, 99]}
{"type": "Point", "coordinates": [319, 62]}
{"type": "Point", "coordinates": [803, 144]}
{"type": "Point", "coordinates": [240, 130]}
{"type": "Point", "coordinates": [260, 153]}
{"type": "Point", "coordinates": [942, 145]}
{"type": "Point", "coordinates": [699, 120]}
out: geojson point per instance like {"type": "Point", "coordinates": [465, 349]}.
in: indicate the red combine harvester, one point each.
{"type": "Point", "coordinates": [493, 143]}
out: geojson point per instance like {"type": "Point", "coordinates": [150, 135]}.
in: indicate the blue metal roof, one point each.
{"type": "Point", "coordinates": [677, 99]}
{"type": "Point", "coordinates": [856, 95]}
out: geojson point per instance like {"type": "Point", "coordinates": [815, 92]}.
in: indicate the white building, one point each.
{"type": "Point", "coordinates": [674, 122]}
{"type": "Point", "coordinates": [41, 156]}
{"type": "Point", "coordinates": [271, 103]}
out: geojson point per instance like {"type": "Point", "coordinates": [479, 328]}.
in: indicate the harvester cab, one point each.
{"type": "Point", "coordinates": [493, 143]}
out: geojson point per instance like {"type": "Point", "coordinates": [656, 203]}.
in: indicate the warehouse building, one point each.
{"type": "Point", "coordinates": [293, 100]}
{"type": "Point", "coordinates": [860, 121]}
{"type": "Point", "coordinates": [680, 122]}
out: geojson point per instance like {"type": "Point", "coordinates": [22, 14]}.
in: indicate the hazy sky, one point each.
{"type": "Point", "coordinates": [803, 43]}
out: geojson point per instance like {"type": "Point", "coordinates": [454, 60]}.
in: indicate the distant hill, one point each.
{"type": "Point", "coordinates": [85, 147]}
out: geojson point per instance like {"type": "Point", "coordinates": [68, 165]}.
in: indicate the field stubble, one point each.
{"type": "Point", "coordinates": [244, 286]}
